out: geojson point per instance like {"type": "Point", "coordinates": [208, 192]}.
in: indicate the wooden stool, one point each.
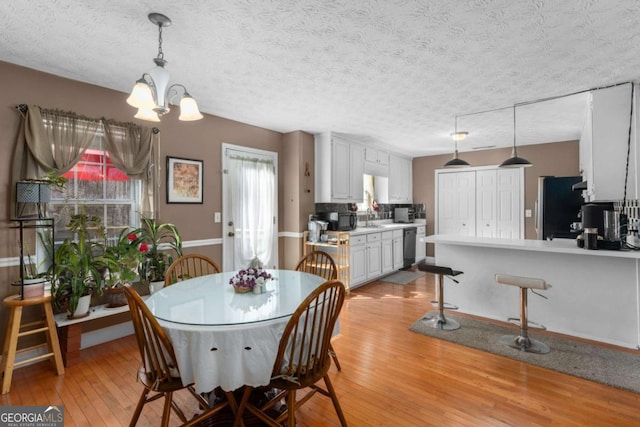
{"type": "Point", "coordinates": [522, 342]}
{"type": "Point", "coordinates": [15, 331]}
{"type": "Point", "coordinates": [436, 319]}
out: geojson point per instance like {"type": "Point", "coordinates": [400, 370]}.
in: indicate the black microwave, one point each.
{"type": "Point", "coordinates": [339, 221]}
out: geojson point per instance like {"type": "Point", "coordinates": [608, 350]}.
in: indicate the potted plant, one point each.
{"type": "Point", "coordinates": [37, 191]}
{"type": "Point", "coordinates": [126, 255]}
{"type": "Point", "coordinates": [79, 265]}
{"type": "Point", "coordinates": [163, 242]}
{"type": "Point", "coordinates": [31, 281]}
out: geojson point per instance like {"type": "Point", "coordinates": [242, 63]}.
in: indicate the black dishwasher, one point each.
{"type": "Point", "coordinates": [409, 253]}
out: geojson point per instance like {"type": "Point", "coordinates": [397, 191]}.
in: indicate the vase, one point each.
{"type": "Point", "coordinates": [31, 288]}
{"type": "Point", "coordinates": [115, 297]}
{"type": "Point", "coordinates": [156, 286]}
{"type": "Point", "coordinates": [82, 310]}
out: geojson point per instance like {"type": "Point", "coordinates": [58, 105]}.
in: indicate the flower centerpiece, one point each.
{"type": "Point", "coordinates": [247, 279]}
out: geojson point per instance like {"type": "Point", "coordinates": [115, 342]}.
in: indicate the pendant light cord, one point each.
{"type": "Point", "coordinates": [626, 174]}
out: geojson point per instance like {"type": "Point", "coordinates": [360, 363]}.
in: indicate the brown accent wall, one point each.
{"type": "Point", "coordinates": [555, 159]}
{"type": "Point", "coordinates": [196, 140]}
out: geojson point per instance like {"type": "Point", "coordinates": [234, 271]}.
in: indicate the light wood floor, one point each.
{"type": "Point", "coordinates": [390, 377]}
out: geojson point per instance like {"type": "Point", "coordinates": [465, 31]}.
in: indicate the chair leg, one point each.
{"type": "Point", "coordinates": [334, 356]}
{"type": "Point", "coordinates": [291, 408]}
{"type": "Point", "coordinates": [138, 411]}
{"type": "Point", "coordinates": [522, 342]}
{"type": "Point", "coordinates": [436, 319]}
{"type": "Point", "coordinates": [166, 412]}
{"type": "Point", "coordinates": [334, 399]}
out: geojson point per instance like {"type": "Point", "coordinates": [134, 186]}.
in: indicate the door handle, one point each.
{"type": "Point", "coordinates": [231, 234]}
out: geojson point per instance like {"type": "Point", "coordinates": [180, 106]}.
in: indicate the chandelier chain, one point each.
{"type": "Point", "coordinates": [160, 52]}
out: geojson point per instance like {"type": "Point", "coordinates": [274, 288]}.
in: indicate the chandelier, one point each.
{"type": "Point", "coordinates": [151, 94]}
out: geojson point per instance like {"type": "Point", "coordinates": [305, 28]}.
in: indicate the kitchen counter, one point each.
{"type": "Point", "coordinates": [594, 294]}
{"type": "Point", "coordinates": [378, 226]}
{"type": "Point", "coordinates": [559, 246]}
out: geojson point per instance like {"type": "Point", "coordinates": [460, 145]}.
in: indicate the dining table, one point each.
{"type": "Point", "coordinates": [227, 339]}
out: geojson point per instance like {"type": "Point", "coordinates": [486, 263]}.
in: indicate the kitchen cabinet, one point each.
{"type": "Point", "coordinates": [604, 143]}
{"type": "Point", "coordinates": [421, 247]}
{"type": "Point", "coordinates": [487, 202]}
{"type": "Point", "coordinates": [376, 162]}
{"type": "Point", "coordinates": [398, 249]}
{"type": "Point", "coordinates": [374, 255]}
{"type": "Point", "coordinates": [400, 179]}
{"type": "Point", "coordinates": [339, 165]}
{"type": "Point", "coordinates": [387, 251]}
{"type": "Point", "coordinates": [358, 259]}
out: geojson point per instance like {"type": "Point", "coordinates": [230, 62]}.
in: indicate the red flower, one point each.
{"type": "Point", "coordinates": [132, 237]}
{"type": "Point", "coordinates": [143, 247]}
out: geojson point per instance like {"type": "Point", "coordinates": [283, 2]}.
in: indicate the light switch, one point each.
{"type": "Point", "coordinates": [216, 217]}
{"type": "Point", "coordinates": [527, 213]}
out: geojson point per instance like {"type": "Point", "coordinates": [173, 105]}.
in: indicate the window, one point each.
{"type": "Point", "coordinates": [96, 187]}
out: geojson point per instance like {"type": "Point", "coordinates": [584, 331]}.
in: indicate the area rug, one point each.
{"type": "Point", "coordinates": [402, 277]}
{"type": "Point", "coordinates": [615, 368]}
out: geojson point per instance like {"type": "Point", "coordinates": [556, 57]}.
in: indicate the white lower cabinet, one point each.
{"type": "Point", "coordinates": [398, 249]}
{"type": "Point", "coordinates": [374, 255]}
{"type": "Point", "coordinates": [358, 259]}
{"type": "Point", "coordinates": [387, 251]}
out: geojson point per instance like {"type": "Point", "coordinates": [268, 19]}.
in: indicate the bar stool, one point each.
{"type": "Point", "coordinates": [522, 342]}
{"type": "Point", "coordinates": [15, 330]}
{"type": "Point", "coordinates": [437, 320]}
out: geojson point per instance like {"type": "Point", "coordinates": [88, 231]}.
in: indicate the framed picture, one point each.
{"type": "Point", "coordinates": [184, 180]}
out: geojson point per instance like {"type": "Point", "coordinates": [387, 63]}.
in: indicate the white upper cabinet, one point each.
{"type": "Point", "coordinates": [376, 162]}
{"type": "Point", "coordinates": [400, 179]}
{"type": "Point", "coordinates": [604, 144]}
{"type": "Point", "coordinates": [339, 169]}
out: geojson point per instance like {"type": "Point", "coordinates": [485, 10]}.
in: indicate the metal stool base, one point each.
{"type": "Point", "coordinates": [437, 320]}
{"type": "Point", "coordinates": [525, 344]}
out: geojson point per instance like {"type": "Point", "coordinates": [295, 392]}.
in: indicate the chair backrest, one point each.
{"type": "Point", "coordinates": [303, 354]}
{"type": "Point", "coordinates": [319, 263]}
{"type": "Point", "coordinates": [156, 350]}
{"type": "Point", "coordinates": [189, 266]}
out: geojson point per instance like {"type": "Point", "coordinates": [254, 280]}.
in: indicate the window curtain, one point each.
{"type": "Point", "coordinates": [133, 150]}
{"type": "Point", "coordinates": [253, 213]}
{"type": "Point", "coordinates": [56, 140]}
{"type": "Point", "coordinates": [56, 146]}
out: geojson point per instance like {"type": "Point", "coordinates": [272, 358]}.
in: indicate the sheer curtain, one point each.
{"type": "Point", "coordinates": [253, 201]}
{"type": "Point", "coordinates": [56, 140]}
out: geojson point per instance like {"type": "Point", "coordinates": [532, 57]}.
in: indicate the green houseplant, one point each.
{"type": "Point", "coordinates": [163, 242]}
{"type": "Point", "coordinates": [125, 255]}
{"type": "Point", "coordinates": [80, 264]}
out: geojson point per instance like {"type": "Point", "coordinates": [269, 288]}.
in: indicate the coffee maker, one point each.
{"type": "Point", "coordinates": [605, 222]}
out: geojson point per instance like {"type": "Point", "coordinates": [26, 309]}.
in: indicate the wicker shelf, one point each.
{"type": "Point", "coordinates": [338, 247]}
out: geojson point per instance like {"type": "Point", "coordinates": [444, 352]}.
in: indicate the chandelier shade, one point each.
{"type": "Point", "coordinates": [152, 94]}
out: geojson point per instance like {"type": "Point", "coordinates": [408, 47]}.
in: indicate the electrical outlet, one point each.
{"type": "Point", "coordinates": [216, 217]}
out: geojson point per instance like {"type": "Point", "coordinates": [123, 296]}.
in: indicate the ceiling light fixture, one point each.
{"type": "Point", "coordinates": [151, 95]}
{"type": "Point", "coordinates": [515, 161]}
{"type": "Point", "coordinates": [457, 162]}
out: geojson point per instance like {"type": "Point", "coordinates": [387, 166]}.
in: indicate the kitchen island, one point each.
{"type": "Point", "coordinates": [594, 294]}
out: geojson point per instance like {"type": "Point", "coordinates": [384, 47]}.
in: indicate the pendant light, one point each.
{"type": "Point", "coordinates": [151, 94]}
{"type": "Point", "coordinates": [515, 161]}
{"type": "Point", "coordinates": [457, 136]}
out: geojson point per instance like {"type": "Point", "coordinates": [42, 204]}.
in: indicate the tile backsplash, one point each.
{"type": "Point", "coordinates": [385, 210]}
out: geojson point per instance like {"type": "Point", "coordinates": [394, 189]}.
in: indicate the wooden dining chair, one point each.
{"type": "Point", "coordinates": [321, 264]}
{"type": "Point", "coordinates": [189, 266]}
{"type": "Point", "coordinates": [303, 356]}
{"type": "Point", "coordinates": [158, 371]}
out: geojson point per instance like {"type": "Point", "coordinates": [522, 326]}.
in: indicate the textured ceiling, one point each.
{"type": "Point", "coordinates": [396, 70]}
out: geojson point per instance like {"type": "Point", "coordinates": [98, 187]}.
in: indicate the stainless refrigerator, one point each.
{"type": "Point", "coordinates": [557, 207]}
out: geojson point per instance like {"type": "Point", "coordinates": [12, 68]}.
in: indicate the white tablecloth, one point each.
{"type": "Point", "coordinates": [226, 339]}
